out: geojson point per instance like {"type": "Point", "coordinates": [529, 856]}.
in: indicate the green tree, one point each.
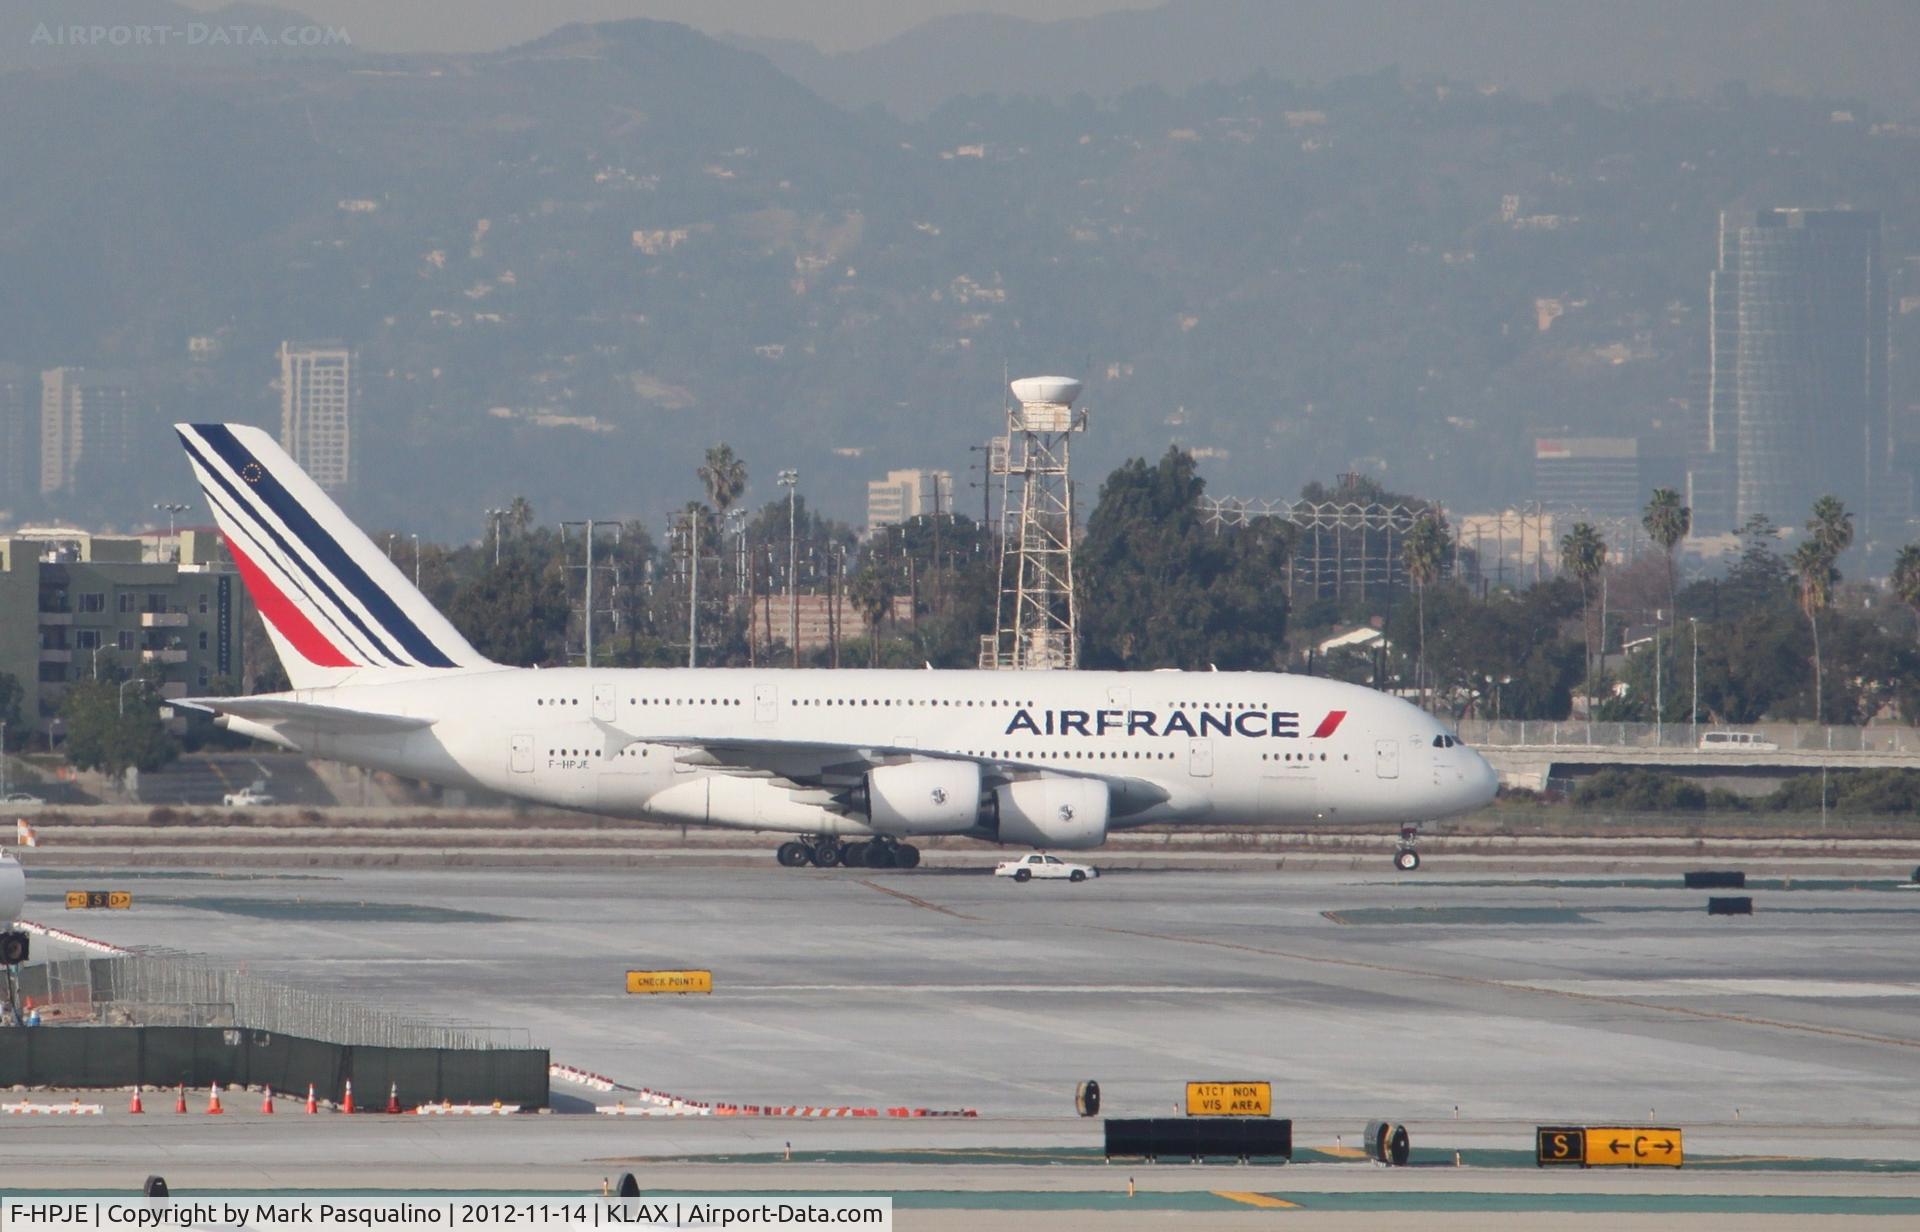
{"type": "Point", "coordinates": [1814, 572]}
{"type": "Point", "coordinates": [1159, 587]}
{"type": "Point", "coordinates": [1831, 526]}
{"type": "Point", "coordinates": [871, 591]}
{"type": "Point", "coordinates": [1668, 522]}
{"type": "Point", "coordinates": [1905, 578]}
{"type": "Point", "coordinates": [112, 730]}
{"type": "Point", "coordinates": [1425, 551]}
{"type": "Point", "coordinates": [516, 614]}
{"type": "Point", "coordinates": [1583, 553]}
{"type": "Point", "coordinates": [724, 476]}
{"type": "Point", "coordinates": [519, 515]}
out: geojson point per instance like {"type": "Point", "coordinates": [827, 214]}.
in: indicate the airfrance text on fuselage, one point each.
{"type": "Point", "coordinates": [1284, 724]}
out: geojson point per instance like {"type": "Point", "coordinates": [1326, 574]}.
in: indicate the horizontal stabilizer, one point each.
{"type": "Point", "coordinates": [276, 710]}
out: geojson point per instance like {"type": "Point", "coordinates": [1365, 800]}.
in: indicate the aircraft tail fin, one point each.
{"type": "Point", "coordinates": [332, 601]}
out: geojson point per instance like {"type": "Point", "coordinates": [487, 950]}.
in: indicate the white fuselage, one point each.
{"type": "Point", "coordinates": [674, 745]}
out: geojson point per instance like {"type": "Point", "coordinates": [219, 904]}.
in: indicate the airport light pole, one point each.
{"type": "Point", "coordinates": [493, 516]}
{"type": "Point", "coordinates": [790, 480]}
{"type": "Point", "coordinates": [123, 693]}
{"type": "Point", "coordinates": [171, 509]}
{"type": "Point", "coordinates": [416, 560]}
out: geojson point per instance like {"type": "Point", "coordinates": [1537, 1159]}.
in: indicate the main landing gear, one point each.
{"type": "Point", "coordinates": [824, 851]}
{"type": "Point", "coordinates": [1405, 858]}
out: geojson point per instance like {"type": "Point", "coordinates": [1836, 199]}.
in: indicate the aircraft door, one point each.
{"type": "Point", "coordinates": [1200, 758]}
{"type": "Point", "coordinates": [520, 754]}
{"type": "Point", "coordinates": [1386, 759]}
{"type": "Point", "coordinates": [766, 703]}
{"type": "Point", "coordinates": [606, 703]}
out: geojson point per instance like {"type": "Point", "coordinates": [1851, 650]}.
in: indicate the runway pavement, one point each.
{"type": "Point", "coordinates": [1470, 1007]}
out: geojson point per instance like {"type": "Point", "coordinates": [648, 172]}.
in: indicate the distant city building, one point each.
{"type": "Point", "coordinates": [903, 495]}
{"type": "Point", "coordinates": [316, 410]}
{"type": "Point", "coordinates": [1798, 383]}
{"type": "Point", "coordinates": [1596, 475]}
{"type": "Point", "coordinates": [818, 616]}
{"type": "Point", "coordinates": [1514, 547]}
{"type": "Point", "coordinates": [73, 605]}
{"type": "Point", "coordinates": [19, 435]}
{"type": "Point", "coordinates": [85, 416]}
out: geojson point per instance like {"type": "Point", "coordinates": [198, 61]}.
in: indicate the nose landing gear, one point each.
{"type": "Point", "coordinates": [1405, 858]}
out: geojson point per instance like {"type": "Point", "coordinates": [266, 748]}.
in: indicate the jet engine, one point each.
{"type": "Point", "coordinates": [1052, 812]}
{"type": "Point", "coordinates": [921, 797]}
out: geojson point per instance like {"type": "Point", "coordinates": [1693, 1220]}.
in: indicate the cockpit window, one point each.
{"type": "Point", "coordinates": [1444, 742]}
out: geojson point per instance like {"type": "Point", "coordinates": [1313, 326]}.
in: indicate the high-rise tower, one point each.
{"type": "Point", "coordinates": [316, 410]}
{"type": "Point", "coordinates": [1797, 391]}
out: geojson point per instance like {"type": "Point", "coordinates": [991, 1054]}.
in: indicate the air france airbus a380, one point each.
{"type": "Point", "coordinates": [853, 764]}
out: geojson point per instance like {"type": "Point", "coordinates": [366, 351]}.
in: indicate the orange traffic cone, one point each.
{"type": "Point", "coordinates": [346, 1101]}
{"type": "Point", "coordinates": [180, 1103]}
{"type": "Point", "coordinates": [313, 1106]}
{"type": "Point", "coordinates": [266, 1103]}
{"type": "Point", "coordinates": [213, 1101]}
{"type": "Point", "coordinates": [393, 1098]}
{"type": "Point", "coordinates": [134, 1108]}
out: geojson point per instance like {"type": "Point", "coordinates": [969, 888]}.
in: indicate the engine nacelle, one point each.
{"type": "Point", "coordinates": [1053, 812]}
{"type": "Point", "coordinates": [922, 797]}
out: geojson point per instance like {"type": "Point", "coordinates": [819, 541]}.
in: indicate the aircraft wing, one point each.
{"type": "Point", "coordinates": [273, 711]}
{"type": "Point", "coordinates": [813, 764]}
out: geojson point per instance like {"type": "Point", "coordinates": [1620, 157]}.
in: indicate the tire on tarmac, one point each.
{"type": "Point", "coordinates": [792, 855]}
{"type": "Point", "coordinates": [1076, 875]}
{"type": "Point", "coordinates": [826, 855]}
{"type": "Point", "coordinates": [1023, 874]}
{"type": "Point", "coordinates": [854, 855]}
{"type": "Point", "coordinates": [1406, 860]}
{"type": "Point", "coordinates": [879, 855]}
{"type": "Point", "coordinates": [906, 856]}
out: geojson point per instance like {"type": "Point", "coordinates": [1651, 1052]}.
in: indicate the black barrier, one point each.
{"type": "Point", "coordinates": [629, 1186]}
{"type": "Point", "coordinates": [1711, 880]}
{"type": "Point", "coordinates": [1200, 1138]}
{"type": "Point", "coordinates": [157, 1187]}
{"type": "Point", "coordinates": [1730, 906]}
{"type": "Point", "coordinates": [86, 1056]}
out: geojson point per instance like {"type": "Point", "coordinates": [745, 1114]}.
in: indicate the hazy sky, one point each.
{"type": "Point", "coordinates": [834, 25]}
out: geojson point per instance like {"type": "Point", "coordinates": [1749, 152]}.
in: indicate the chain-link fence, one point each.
{"type": "Point", "coordinates": [161, 988]}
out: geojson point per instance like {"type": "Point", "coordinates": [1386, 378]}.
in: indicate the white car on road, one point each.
{"type": "Point", "coordinates": [255, 796]}
{"type": "Point", "coordinates": [1028, 867]}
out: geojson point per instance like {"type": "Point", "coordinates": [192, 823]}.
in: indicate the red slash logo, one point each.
{"type": "Point", "coordinates": [1328, 725]}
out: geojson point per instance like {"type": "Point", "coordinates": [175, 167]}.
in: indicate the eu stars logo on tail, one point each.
{"type": "Point", "coordinates": [332, 601]}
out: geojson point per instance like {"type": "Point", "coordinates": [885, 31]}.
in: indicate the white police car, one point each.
{"type": "Point", "coordinates": [1029, 867]}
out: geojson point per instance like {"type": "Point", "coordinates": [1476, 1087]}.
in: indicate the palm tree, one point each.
{"type": "Point", "coordinates": [520, 515]}
{"type": "Point", "coordinates": [1425, 552]}
{"type": "Point", "coordinates": [1668, 522]}
{"type": "Point", "coordinates": [1906, 576]}
{"type": "Point", "coordinates": [1831, 527]}
{"type": "Point", "coordinates": [872, 592]}
{"type": "Point", "coordinates": [1814, 570]}
{"type": "Point", "coordinates": [725, 477]}
{"type": "Point", "coordinates": [1583, 553]}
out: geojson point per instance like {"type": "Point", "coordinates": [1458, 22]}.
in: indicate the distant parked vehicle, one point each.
{"type": "Point", "coordinates": [21, 799]}
{"type": "Point", "coordinates": [254, 796]}
{"type": "Point", "coordinates": [1737, 742]}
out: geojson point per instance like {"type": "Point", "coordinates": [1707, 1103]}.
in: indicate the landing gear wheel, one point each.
{"type": "Point", "coordinates": [791, 855]}
{"type": "Point", "coordinates": [906, 855]}
{"type": "Point", "coordinates": [1076, 875]}
{"type": "Point", "coordinates": [880, 855]}
{"type": "Point", "coordinates": [1406, 859]}
{"type": "Point", "coordinates": [828, 854]}
{"type": "Point", "coordinates": [1023, 874]}
{"type": "Point", "coordinates": [856, 855]}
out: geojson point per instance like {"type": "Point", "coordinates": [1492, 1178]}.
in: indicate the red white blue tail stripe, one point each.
{"type": "Point", "coordinates": [331, 598]}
